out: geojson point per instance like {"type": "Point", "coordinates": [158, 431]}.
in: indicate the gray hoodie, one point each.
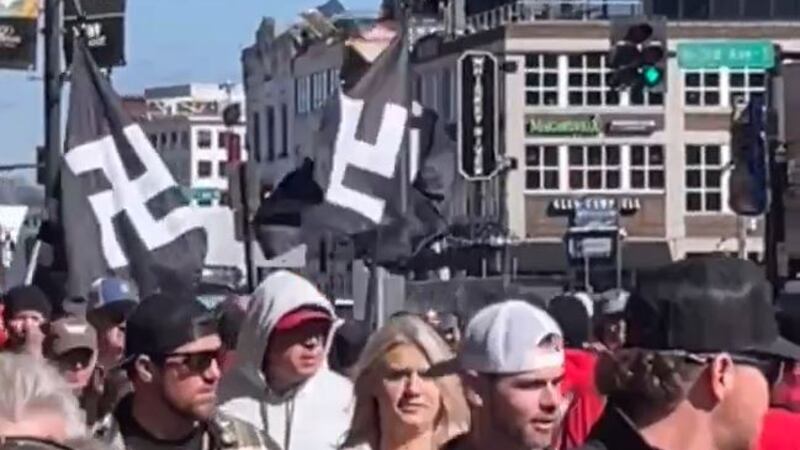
{"type": "Point", "coordinates": [316, 415]}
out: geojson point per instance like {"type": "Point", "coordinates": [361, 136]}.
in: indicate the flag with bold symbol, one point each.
{"type": "Point", "coordinates": [121, 210]}
{"type": "Point", "coordinates": [354, 183]}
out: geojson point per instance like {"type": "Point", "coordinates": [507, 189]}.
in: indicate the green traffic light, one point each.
{"type": "Point", "coordinates": [652, 76]}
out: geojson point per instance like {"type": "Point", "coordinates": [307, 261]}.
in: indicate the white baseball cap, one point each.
{"type": "Point", "coordinates": [505, 338]}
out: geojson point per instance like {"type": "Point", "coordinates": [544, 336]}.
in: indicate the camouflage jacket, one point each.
{"type": "Point", "coordinates": [224, 433]}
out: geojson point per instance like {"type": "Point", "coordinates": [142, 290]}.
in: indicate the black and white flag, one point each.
{"type": "Point", "coordinates": [121, 209]}
{"type": "Point", "coordinates": [353, 184]}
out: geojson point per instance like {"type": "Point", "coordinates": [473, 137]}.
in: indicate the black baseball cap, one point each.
{"type": "Point", "coordinates": [161, 323]}
{"type": "Point", "coordinates": [706, 305]}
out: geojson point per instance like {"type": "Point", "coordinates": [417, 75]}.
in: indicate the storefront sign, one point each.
{"type": "Point", "coordinates": [562, 126]}
{"type": "Point", "coordinates": [104, 27]}
{"type": "Point", "coordinates": [631, 126]}
{"type": "Point", "coordinates": [18, 34]}
{"type": "Point", "coordinates": [478, 110]}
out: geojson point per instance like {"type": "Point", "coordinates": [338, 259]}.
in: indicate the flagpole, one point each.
{"type": "Point", "coordinates": [52, 101]}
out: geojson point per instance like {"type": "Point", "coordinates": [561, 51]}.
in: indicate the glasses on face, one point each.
{"type": "Point", "coordinates": [197, 362]}
{"type": "Point", "coordinates": [772, 368]}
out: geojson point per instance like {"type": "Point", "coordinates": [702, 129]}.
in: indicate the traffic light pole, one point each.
{"type": "Point", "coordinates": [52, 101]}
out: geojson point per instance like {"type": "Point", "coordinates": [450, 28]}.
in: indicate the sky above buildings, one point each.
{"type": "Point", "coordinates": [168, 42]}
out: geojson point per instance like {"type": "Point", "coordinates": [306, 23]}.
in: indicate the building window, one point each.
{"type": "Point", "coordinates": [588, 81]}
{"type": "Point", "coordinates": [173, 139]}
{"type": "Point", "coordinates": [270, 113]}
{"type": "Point", "coordinates": [746, 85]}
{"type": "Point", "coordinates": [222, 169]}
{"type": "Point", "coordinates": [221, 140]}
{"type": "Point", "coordinates": [594, 167]}
{"type": "Point", "coordinates": [704, 168]}
{"type": "Point", "coordinates": [642, 96]}
{"type": "Point", "coordinates": [204, 138]}
{"type": "Point", "coordinates": [303, 95]}
{"type": "Point", "coordinates": [284, 131]}
{"type": "Point", "coordinates": [185, 140]}
{"type": "Point", "coordinates": [541, 79]}
{"type": "Point", "coordinates": [153, 140]}
{"type": "Point", "coordinates": [204, 169]}
{"type": "Point", "coordinates": [647, 167]}
{"type": "Point", "coordinates": [701, 88]}
{"type": "Point", "coordinates": [541, 168]}
{"type": "Point", "coordinates": [163, 140]}
{"type": "Point", "coordinates": [255, 138]}
{"type": "Point", "coordinates": [319, 89]}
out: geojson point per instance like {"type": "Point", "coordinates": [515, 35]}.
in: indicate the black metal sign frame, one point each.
{"type": "Point", "coordinates": [479, 115]}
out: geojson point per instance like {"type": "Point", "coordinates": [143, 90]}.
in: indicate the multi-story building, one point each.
{"type": "Point", "coordinates": [184, 124]}
{"type": "Point", "coordinates": [572, 135]}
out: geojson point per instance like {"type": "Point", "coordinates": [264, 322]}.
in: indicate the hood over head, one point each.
{"type": "Point", "coordinates": [279, 294]}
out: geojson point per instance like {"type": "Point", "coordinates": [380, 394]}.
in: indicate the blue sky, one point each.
{"type": "Point", "coordinates": [168, 42]}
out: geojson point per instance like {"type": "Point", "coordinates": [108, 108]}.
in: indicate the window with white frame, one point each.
{"type": "Point", "coordinates": [541, 168]}
{"type": "Point", "coordinates": [541, 79]}
{"type": "Point", "coordinates": [204, 169]}
{"type": "Point", "coordinates": [594, 167]}
{"type": "Point", "coordinates": [319, 89]}
{"type": "Point", "coordinates": [702, 88]}
{"type": "Point", "coordinates": [647, 167]}
{"type": "Point", "coordinates": [587, 82]}
{"type": "Point", "coordinates": [303, 95]}
{"type": "Point", "coordinates": [747, 84]}
{"type": "Point", "coordinates": [203, 138]}
{"type": "Point", "coordinates": [704, 168]}
{"type": "Point", "coordinates": [642, 96]}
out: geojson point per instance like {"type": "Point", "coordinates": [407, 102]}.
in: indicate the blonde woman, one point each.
{"type": "Point", "coordinates": [399, 403]}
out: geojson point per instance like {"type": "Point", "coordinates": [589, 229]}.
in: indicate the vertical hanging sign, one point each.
{"type": "Point", "coordinates": [478, 125]}
{"type": "Point", "coordinates": [18, 20]}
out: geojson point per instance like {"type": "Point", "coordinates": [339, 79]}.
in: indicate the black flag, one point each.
{"type": "Point", "coordinates": [121, 209]}
{"type": "Point", "coordinates": [353, 183]}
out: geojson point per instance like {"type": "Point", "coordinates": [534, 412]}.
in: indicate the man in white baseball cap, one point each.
{"type": "Point", "coordinates": [512, 364]}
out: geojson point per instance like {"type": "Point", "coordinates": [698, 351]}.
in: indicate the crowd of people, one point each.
{"type": "Point", "coordinates": [696, 358]}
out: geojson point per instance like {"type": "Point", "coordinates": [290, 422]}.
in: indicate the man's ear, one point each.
{"type": "Point", "coordinates": [474, 388]}
{"type": "Point", "coordinates": [145, 369]}
{"type": "Point", "coordinates": [721, 376]}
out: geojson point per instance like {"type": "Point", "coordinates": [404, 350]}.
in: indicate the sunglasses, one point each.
{"type": "Point", "coordinates": [196, 362]}
{"type": "Point", "coordinates": [772, 368]}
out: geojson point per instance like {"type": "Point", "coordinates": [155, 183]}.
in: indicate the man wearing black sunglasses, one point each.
{"type": "Point", "coordinates": [703, 350]}
{"type": "Point", "coordinates": [172, 359]}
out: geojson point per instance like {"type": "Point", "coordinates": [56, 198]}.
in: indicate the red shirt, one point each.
{"type": "Point", "coordinates": [585, 403]}
{"type": "Point", "coordinates": [779, 430]}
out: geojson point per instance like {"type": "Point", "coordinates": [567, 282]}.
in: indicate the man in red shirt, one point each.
{"type": "Point", "coordinates": [583, 405]}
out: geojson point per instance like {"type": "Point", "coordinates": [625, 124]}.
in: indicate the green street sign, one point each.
{"type": "Point", "coordinates": [733, 54]}
{"type": "Point", "coordinates": [567, 126]}
{"type": "Point", "coordinates": [205, 194]}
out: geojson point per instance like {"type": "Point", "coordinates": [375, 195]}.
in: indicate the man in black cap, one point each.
{"type": "Point", "coordinates": [26, 314]}
{"type": "Point", "coordinates": [172, 358]}
{"type": "Point", "coordinates": [703, 349]}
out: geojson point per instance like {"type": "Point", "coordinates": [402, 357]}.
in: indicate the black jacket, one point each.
{"type": "Point", "coordinates": [614, 431]}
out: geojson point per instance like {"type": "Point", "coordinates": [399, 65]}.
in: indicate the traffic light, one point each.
{"type": "Point", "coordinates": [749, 180]}
{"type": "Point", "coordinates": [639, 54]}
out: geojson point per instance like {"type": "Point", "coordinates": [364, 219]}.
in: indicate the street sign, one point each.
{"type": "Point", "coordinates": [104, 26]}
{"type": "Point", "coordinates": [733, 54]}
{"type": "Point", "coordinates": [479, 118]}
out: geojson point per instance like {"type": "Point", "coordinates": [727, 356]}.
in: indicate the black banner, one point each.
{"type": "Point", "coordinates": [478, 127]}
{"type": "Point", "coordinates": [18, 34]}
{"type": "Point", "coordinates": [103, 21]}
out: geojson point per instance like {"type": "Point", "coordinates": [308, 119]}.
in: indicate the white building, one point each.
{"type": "Point", "coordinates": [185, 125]}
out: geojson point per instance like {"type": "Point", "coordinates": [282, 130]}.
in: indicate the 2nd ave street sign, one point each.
{"type": "Point", "coordinates": [733, 54]}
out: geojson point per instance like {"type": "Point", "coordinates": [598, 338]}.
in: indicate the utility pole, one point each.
{"type": "Point", "coordinates": [52, 101]}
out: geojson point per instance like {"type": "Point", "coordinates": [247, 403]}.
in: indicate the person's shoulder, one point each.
{"type": "Point", "coordinates": [333, 383]}
{"type": "Point", "coordinates": [234, 433]}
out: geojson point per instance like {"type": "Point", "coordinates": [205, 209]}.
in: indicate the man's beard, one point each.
{"type": "Point", "coordinates": [186, 413]}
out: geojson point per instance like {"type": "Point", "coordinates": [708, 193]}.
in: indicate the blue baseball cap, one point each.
{"type": "Point", "coordinates": [114, 295]}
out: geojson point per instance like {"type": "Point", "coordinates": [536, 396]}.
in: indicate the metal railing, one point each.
{"type": "Point", "coordinates": [527, 11]}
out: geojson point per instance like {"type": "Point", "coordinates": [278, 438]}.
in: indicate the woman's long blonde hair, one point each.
{"type": "Point", "coordinates": [453, 418]}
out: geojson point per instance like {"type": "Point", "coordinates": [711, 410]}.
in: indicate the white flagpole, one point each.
{"type": "Point", "coordinates": [33, 262]}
